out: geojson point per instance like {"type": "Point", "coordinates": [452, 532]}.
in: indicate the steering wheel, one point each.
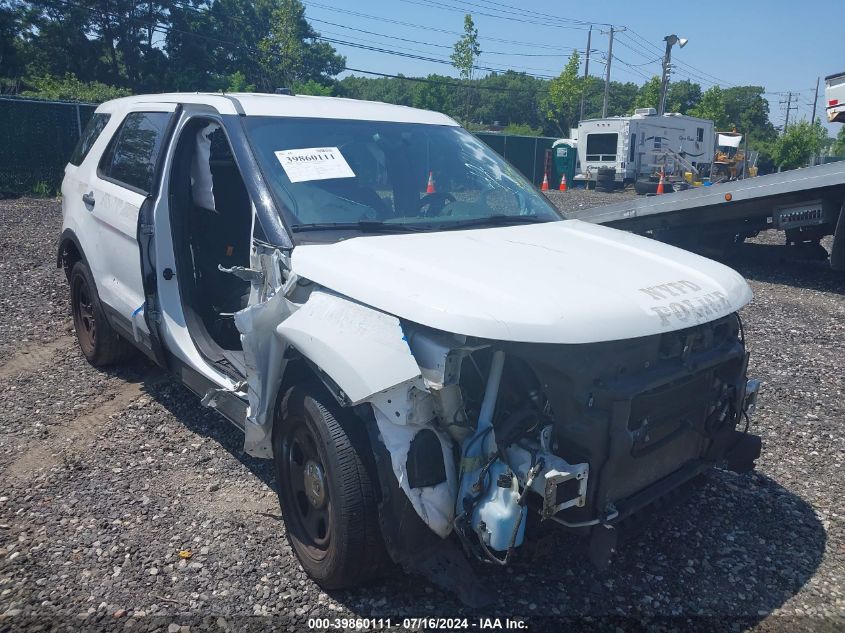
{"type": "Point", "coordinates": [433, 203]}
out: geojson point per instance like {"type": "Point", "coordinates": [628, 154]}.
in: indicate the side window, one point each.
{"type": "Point", "coordinates": [700, 134]}
{"type": "Point", "coordinates": [89, 135]}
{"type": "Point", "coordinates": [633, 151]}
{"type": "Point", "coordinates": [133, 153]}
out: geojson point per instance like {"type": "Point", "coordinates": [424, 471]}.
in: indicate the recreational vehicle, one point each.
{"type": "Point", "coordinates": [640, 146]}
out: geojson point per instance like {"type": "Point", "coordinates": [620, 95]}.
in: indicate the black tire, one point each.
{"type": "Point", "coordinates": [328, 498]}
{"type": "Point", "coordinates": [645, 187]}
{"type": "Point", "coordinates": [98, 341]}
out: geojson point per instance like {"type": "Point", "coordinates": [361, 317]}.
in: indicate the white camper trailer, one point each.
{"type": "Point", "coordinates": [638, 146]}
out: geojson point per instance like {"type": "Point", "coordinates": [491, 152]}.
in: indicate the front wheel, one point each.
{"type": "Point", "coordinates": [328, 498]}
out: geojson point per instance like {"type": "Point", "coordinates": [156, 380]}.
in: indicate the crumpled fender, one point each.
{"type": "Point", "coordinates": [364, 357]}
{"type": "Point", "coordinates": [362, 350]}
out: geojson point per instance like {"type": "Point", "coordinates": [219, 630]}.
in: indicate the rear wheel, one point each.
{"type": "Point", "coordinates": [327, 496]}
{"type": "Point", "coordinates": [99, 343]}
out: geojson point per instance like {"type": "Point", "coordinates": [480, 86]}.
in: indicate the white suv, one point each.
{"type": "Point", "coordinates": [414, 334]}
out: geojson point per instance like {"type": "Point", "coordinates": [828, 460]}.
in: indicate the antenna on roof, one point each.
{"type": "Point", "coordinates": [284, 91]}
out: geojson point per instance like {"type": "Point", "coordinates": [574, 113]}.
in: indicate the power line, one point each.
{"type": "Point", "coordinates": [447, 46]}
{"type": "Point", "coordinates": [425, 57]}
{"type": "Point", "coordinates": [509, 16]}
{"type": "Point", "coordinates": [423, 27]}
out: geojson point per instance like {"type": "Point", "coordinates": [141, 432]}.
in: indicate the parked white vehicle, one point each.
{"type": "Point", "coordinates": [834, 95]}
{"type": "Point", "coordinates": [424, 368]}
{"type": "Point", "coordinates": [634, 145]}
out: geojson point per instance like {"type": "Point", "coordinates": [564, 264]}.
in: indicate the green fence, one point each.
{"type": "Point", "coordinates": [525, 153]}
{"type": "Point", "coordinates": [37, 138]}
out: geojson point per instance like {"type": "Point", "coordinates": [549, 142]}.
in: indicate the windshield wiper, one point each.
{"type": "Point", "coordinates": [493, 220]}
{"type": "Point", "coordinates": [365, 226]}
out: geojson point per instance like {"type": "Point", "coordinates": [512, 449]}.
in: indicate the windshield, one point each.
{"type": "Point", "coordinates": [370, 176]}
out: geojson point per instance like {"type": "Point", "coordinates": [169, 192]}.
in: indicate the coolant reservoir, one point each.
{"type": "Point", "coordinates": [499, 511]}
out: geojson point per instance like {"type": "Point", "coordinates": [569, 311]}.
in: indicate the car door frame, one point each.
{"type": "Point", "coordinates": [131, 300]}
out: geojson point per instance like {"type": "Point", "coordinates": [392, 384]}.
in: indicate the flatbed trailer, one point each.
{"type": "Point", "coordinates": [807, 204]}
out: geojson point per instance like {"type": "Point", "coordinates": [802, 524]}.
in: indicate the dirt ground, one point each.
{"type": "Point", "coordinates": [107, 476]}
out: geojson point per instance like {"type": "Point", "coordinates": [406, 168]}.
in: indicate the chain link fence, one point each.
{"type": "Point", "coordinates": [36, 138]}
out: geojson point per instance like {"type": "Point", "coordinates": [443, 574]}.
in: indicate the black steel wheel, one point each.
{"type": "Point", "coordinates": [99, 343]}
{"type": "Point", "coordinates": [305, 476]}
{"type": "Point", "coordinates": [326, 491]}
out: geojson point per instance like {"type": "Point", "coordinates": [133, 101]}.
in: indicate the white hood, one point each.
{"type": "Point", "coordinates": [557, 282]}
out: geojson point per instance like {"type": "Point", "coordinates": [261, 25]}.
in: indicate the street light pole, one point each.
{"type": "Point", "coordinates": [670, 40]}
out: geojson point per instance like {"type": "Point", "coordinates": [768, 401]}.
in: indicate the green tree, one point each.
{"type": "Point", "coordinates": [238, 83]}
{"type": "Point", "coordinates": [464, 55]}
{"type": "Point", "coordinates": [620, 97]}
{"type": "Point", "coordinates": [838, 147]}
{"type": "Point", "coordinates": [510, 98]}
{"type": "Point", "coordinates": [748, 110]}
{"type": "Point", "coordinates": [648, 96]}
{"type": "Point", "coordinates": [712, 107]}
{"type": "Point", "coordinates": [312, 87]}
{"type": "Point", "coordinates": [682, 96]}
{"type": "Point", "coordinates": [466, 50]}
{"type": "Point", "coordinates": [798, 144]}
{"type": "Point", "coordinates": [563, 101]}
{"type": "Point", "coordinates": [522, 129]}
{"type": "Point", "coordinates": [292, 53]}
{"type": "Point", "coordinates": [69, 88]}
{"type": "Point", "coordinates": [11, 44]}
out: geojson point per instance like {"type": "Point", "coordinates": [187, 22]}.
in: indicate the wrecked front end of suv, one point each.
{"type": "Point", "coordinates": [471, 434]}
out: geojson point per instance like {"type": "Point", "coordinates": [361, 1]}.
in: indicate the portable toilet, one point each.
{"type": "Point", "coordinates": [565, 156]}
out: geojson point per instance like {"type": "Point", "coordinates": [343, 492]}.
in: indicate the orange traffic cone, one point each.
{"type": "Point", "coordinates": [660, 184]}
{"type": "Point", "coordinates": [429, 188]}
{"type": "Point", "coordinates": [545, 185]}
{"type": "Point", "coordinates": [563, 183]}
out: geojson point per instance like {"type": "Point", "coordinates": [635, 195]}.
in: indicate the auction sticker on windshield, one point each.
{"type": "Point", "coordinates": [314, 163]}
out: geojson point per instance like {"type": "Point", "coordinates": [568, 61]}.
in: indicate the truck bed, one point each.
{"type": "Point", "coordinates": [738, 207]}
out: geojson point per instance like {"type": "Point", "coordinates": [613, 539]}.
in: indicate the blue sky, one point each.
{"type": "Point", "coordinates": [779, 44]}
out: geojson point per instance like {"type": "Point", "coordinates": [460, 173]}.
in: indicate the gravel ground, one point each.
{"type": "Point", "coordinates": [574, 200]}
{"type": "Point", "coordinates": [107, 476]}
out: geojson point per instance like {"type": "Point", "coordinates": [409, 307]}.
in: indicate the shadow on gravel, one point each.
{"type": "Point", "coordinates": [780, 264]}
{"type": "Point", "coordinates": [737, 547]}
{"type": "Point", "coordinates": [186, 408]}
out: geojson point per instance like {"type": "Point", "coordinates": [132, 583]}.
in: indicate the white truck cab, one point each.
{"type": "Point", "coordinates": [424, 346]}
{"type": "Point", "coordinates": [834, 96]}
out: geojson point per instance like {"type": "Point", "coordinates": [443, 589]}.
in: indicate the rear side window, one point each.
{"type": "Point", "coordinates": [132, 156]}
{"type": "Point", "coordinates": [89, 135]}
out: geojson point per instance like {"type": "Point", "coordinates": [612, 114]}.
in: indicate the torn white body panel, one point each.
{"type": "Point", "coordinates": [554, 282]}
{"type": "Point", "coordinates": [362, 350]}
{"type": "Point", "coordinates": [400, 414]}
{"type": "Point", "coordinates": [264, 357]}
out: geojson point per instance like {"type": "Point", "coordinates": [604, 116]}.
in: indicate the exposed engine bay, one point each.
{"type": "Point", "coordinates": [581, 434]}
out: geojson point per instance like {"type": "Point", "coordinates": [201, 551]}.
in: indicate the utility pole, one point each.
{"type": "Point", "coordinates": [813, 120]}
{"type": "Point", "coordinates": [789, 108]}
{"type": "Point", "coordinates": [607, 75]}
{"type": "Point", "coordinates": [586, 72]}
{"type": "Point", "coordinates": [815, 101]}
